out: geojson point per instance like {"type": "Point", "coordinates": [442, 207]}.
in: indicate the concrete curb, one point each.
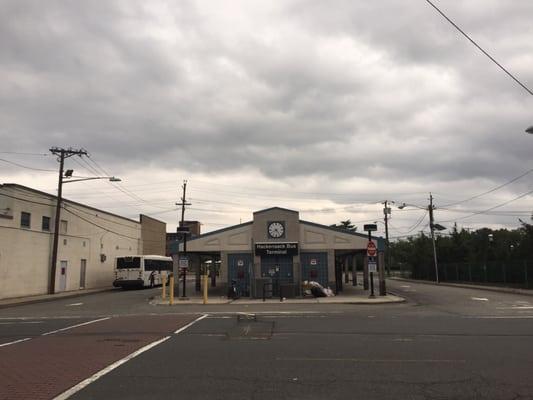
{"type": "Point", "coordinates": [19, 301]}
{"type": "Point", "coordinates": [389, 299]}
{"type": "Point", "coordinates": [526, 292]}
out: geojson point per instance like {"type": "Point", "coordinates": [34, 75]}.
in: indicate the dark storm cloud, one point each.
{"type": "Point", "coordinates": [386, 90]}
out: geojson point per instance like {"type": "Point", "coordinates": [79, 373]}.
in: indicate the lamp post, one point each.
{"type": "Point", "coordinates": [62, 155]}
{"type": "Point", "coordinates": [432, 227]}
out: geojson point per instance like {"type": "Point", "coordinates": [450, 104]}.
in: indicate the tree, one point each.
{"type": "Point", "coordinates": [345, 226]}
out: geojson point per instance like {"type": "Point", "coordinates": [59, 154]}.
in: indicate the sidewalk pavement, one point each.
{"type": "Point", "coordinates": [15, 301]}
{"type": "Point", "coordinates": [501, 289]}
{"type": "Point", "coordinates": [350, 295]}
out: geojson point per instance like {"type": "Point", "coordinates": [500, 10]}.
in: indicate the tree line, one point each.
{"type": "Point", "coordinates": [475, 247]}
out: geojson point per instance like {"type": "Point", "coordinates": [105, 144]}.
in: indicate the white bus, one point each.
{"type": "Point", "coordinates": [141, 271]}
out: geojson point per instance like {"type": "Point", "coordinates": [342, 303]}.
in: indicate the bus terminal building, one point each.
{"type": "Point", "coordinates": [279, 250]}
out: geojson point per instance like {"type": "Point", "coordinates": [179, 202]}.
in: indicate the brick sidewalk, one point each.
{"type": "Point", "coordinates": [45, 366]}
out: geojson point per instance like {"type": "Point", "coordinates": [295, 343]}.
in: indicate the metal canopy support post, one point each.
{"type": "Point", "coordinates": [354, 270]}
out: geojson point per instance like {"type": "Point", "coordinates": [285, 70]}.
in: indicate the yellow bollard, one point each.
{"type": "Point", "coordinates": [205, 289]}
{"type": "Point", "coordinates": [171, 290]}
{"type": "Point", "coordinates": [164, 292]}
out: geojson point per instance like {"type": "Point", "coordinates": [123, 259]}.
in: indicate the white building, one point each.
{"type": "Point", "coordinates": [89, 241]}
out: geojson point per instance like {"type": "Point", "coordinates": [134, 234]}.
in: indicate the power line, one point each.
{"type": "Point", "coordinates": [25, 166]}
{"type": "Point", "coordinates": [28, 201]}
{"type": "Point", "coordinates": [120, 187]}
{"type": "Point", "coordinates": [491, 190]}
{"type": "Point", "coordinates": [24, 154]}
{"type": "Point", "coordinates": [479, 47]}
{"type": "Point", "coordinates": [107, 229]}
{"type": "Point", "coordinates": [492, 208]}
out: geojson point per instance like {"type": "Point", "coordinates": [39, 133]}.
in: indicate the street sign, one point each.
{"type": "Point", "coordinates": [371, 250]}
{"type": "Point", "coordinates": [372, 266]}
{"type": "Point", "coordinates": [184, 263]}
{"type": "Point", "coordinates": [370, 227]}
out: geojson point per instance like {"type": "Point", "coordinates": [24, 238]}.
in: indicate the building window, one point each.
{"type": "Point", "coordinates": [64, 225]}
{"type": "Point", "coordinates": [46, 224]}
{"type": "Point", "coordinates": [84, 244]}
{"type": "Point", "coordinates": [25, 220]}
{"type": "Point", "coordinates": [65, 242]}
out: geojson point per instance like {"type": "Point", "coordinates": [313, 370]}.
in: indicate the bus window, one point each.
{"type": "Point", "coordinates": [128, 262]}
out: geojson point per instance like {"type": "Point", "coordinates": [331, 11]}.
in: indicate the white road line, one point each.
{"type": "Point", "coordinates": [367, 360]}
{"type": "Point", "coordinates": [16, 341]}
{"type": "Point", "coordinates": [74, 326]}
{"type": "Point", "coordinates": [479, 298]}
{"type": "Point", "coordinates": [502, 317]}
{"type": "Point", "coordinates": [191, 324]}
{"type": "Point", "coordinates": [66, 394]}
{"type": "Point", "coordinates": [21, 322]}
{"type": "Point", "coordinates": [43, 318]}
{"type": "Point", "coordinates": [74, 304]}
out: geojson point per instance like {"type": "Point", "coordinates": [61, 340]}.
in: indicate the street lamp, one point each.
{"type": "Point", "coordinates": [110, 178]}
{"type": "Point", "coordinates": [432, 227]}
{"type": "Point", "coordinates": [66, 175]}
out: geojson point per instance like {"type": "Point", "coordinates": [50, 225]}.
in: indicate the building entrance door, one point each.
{"type": "Point", "coordinates": [83, 268]}
{"type": "Point", "coordinates": [240, 266]}
{"type": "Point", "coordinates": [280, 269]}
{"type": "Point", "coordinates": [63, 276]}
{"type": "Point", "coordinates": [315, 267]}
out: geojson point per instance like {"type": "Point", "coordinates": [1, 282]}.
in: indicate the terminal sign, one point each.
{"type": "Point", "coordinates": [276, 249]}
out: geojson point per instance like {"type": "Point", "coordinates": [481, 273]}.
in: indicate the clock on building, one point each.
{"type": "Point", "coordinates": [276, 230]}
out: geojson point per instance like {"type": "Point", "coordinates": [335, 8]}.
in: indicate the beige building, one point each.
{"type": "Point", "coordinates": [280, 248]}
{"type": "Point", "coordinates": [89, 241]}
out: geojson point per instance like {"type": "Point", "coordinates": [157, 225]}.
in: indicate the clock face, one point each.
{"type": "Point", "coordinates": [276, 230]}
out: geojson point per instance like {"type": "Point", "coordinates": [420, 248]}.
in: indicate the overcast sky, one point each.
{"type": "Point", "coordinates": [323, 107]}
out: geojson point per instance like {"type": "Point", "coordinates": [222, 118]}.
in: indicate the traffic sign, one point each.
{"type": "Point", "coordinates": [184, 263]}
{"type": "Point", "coordinates": [371, 250]}
{"type": "Point", "coordinates": [372, 266]}
{"type": "Point", "coordinates": [370, 227]}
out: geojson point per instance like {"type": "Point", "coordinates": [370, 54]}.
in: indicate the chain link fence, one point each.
{"type": "Point", "coordinates": [512, 273]}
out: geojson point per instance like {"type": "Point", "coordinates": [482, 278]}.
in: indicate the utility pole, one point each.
{"type": "Point", "coordinates": [184, 232]}
{"type": "Point", "coordinates": [431, 207]}
{"type": "Point", "coordinates": [387, 211]}
{"type": "Point", "coordinates": [61, 155]}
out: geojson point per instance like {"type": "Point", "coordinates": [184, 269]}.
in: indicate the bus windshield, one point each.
{"type": "Point", "coordinates": [128, 262]}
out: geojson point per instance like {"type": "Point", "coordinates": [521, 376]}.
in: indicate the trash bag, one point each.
{"type": "Point", "coordinates": [317, 289]}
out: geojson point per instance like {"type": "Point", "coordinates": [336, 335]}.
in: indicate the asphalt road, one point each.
{"type": "Point", "coordinates": [443, 343]}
